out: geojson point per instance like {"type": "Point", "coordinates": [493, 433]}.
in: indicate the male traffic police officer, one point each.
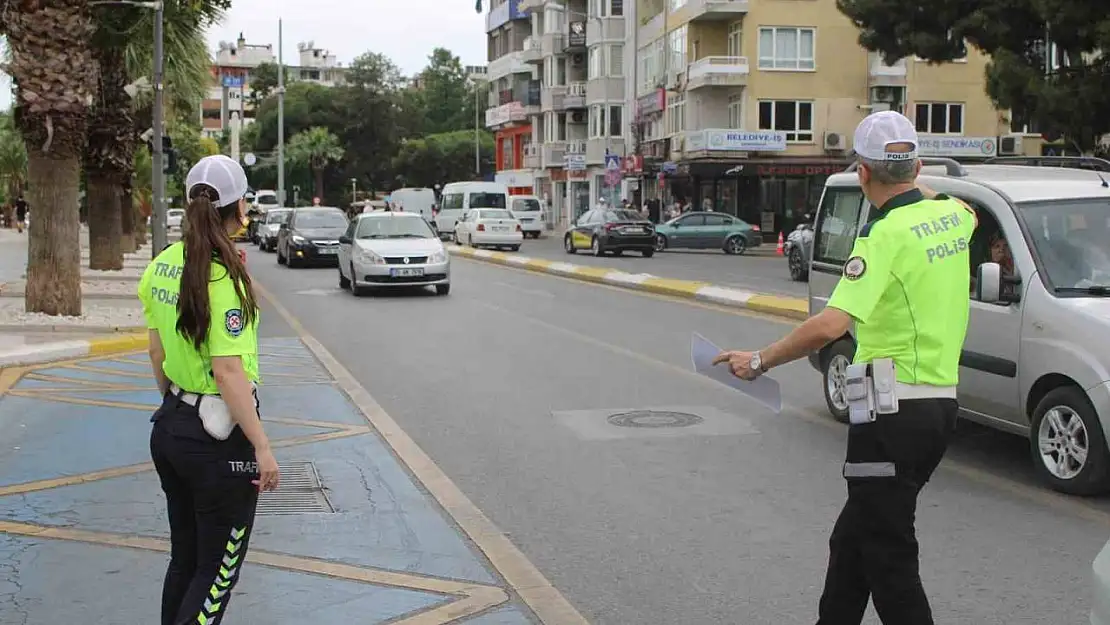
{"type": "Point", "coordinates": [906, 285]}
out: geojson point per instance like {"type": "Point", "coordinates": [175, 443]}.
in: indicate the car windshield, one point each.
{"type": "Point", "coordinates": [266, 198]}
{"type": "Point", "coordinates": [388, 226]}
{"type": "Point", "coordinates": [1070, 239]}
{"type": "Point", "coordinates": [623, 216]}
{"type": "Point", "coordinates": [321, 219]}
{"type": "Point", "coordinates": [487, 200]}
{"type": "Point", "coordinates": [494, 214]}
{"type": "Point", "coordinates": [278, 217]}
{"type": "Point", "coordinates": [526, 205]}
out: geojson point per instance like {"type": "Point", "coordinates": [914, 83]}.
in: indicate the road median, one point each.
{"type": "Point", "coordinates": [788, 307]}
{"type": "Point", "coordinates": [39, 353]}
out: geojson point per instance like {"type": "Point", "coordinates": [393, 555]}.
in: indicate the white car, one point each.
{"type": "Point", "coordinates": [392, 249]}
{"type": "Point", "coordinates": [489, 227]}
{"type": "Point", "coordinates": [527, 209]}
{"type": "Point", "coordinates": [174, 217]}
{"type": "Point", "coordinates": [271, 224]}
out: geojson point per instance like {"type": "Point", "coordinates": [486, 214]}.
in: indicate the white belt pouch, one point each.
{"type": "Point", "coordinates": [215, 416]}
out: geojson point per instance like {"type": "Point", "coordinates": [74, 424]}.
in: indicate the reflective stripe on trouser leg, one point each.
{"type": "Point", "coordinates": [869, 469]}
{"type": "Point", "coordinates": [225, 578]}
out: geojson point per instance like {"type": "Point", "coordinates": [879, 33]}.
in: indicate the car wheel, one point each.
{"type": "Point", "coordinates": [595, 247]}
{"type": "Point", "coordinates": [1068, 444]}
{"type": "Point", "coordinates": [280, 257]}
{"type": "Point", "coordinates": [568, 245]}
{"type": "Point", "coordinates": [648, 253]}
{"type": "Point", "coordinates": [356, 290]}
{"type": "Point", "coordinates": [660, 243]}
{"type": "Point", "coordinates": [443, 289]}
{"type": "Point", "coordinates": [514, 248]}
{"type": "Point", "coordinates": [735, 245]}
{"type": "Point", "coordinates": [798, 271]}
{"type": "Point", "coordinates": [344, 282]}
{"type": "Point", "coordinates": [470, 240]}
{"type": "Point", "coordinates": [835, 378]}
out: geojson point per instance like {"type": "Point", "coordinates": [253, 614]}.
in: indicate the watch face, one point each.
{"type": "Point", "coordinates": [756, 362]}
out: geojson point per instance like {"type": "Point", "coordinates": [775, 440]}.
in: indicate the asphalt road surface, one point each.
{"type": "Point", "coordinates": [510, 382]}
{"type": "Point", "coordinates": [760, 271]}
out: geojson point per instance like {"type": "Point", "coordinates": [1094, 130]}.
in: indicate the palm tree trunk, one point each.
{"type": "Point", "coordinates": [105, 227]}
{"type": "Point", "coordinates": [319, 172]}
{"type": "Point", "coordinates": [127, 225]}
{"type": "Point", "coordinates": [138, 225]}
{"type": "Point", "coordinates": [54, 246]}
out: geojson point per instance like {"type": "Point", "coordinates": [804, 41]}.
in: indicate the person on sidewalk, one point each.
{"type": "Point", "coordinates": [208, 445]}
{"type": "Point", "coordinates": [911, 315]}
{"type": "Point", "coordinates": [20, 213]}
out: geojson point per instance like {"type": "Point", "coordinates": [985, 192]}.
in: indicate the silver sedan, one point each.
{"type": "Point", "coordinates": [392, 249]}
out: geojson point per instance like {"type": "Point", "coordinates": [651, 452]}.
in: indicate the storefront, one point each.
{"type": "Point", "coordinates": [509, 147]}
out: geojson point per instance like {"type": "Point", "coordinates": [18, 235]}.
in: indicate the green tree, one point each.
{"type": "Point", "coordinates": [441, 158]}
{"type": "Point", "coordinates": [315, 148]}
{"type": "Point", "coordinates": [448, 104]}
{"type": "Point", "coordinates": [1069, 99]}
{"type": "Point", "coordinates": [13, 160]}
{"type": "Point", "coordinates": [264, 79]}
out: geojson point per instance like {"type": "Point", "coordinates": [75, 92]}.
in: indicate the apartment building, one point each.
{"type": "Point", "coordinates": [229, 95]}
{"type": "Point", "coordinates": [514, 94]}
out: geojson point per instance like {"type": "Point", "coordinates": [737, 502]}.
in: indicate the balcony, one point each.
{"type": "Point", "coordinates": [511, 63]}
{"type": "Point", "coordinates": [552, 44]}
{"type": "Point", "coordinates": [576, 96]}
{"type": "Point", "coordinates": [595, 149]}
{"type": "Point", "coordinates": [532, 156]}
{"type": "Point", "coordinates": [604, 89]}
{"type": "Point", "coordinates": [716, 10]}
{"type": "Point", "coordinates": [604, 29]}
{"type": "Point", "coordinates": [883, 75]}
{"type": "Point", "coordinates": [513, 112]}
{"type": "Point", "coordinates": [531, 52]}
{"type": "Point", "coordinates": [529, 5]}
{"type": "Point", "coordinates": [717, 71]}
{"type": "Point", "coordinates": [553, 154]}
{"type": "Point", "coordinates": [553, 99]}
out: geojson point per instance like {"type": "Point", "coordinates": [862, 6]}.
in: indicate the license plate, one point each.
{"type": "Point", "coordinates": [328, 252]}
{"type": "Point", "coordinates": [406, 272]}
{"type": "Point", "coordinates": [526, 220]}
{"type": "Point", "coordinates": [500, 228]}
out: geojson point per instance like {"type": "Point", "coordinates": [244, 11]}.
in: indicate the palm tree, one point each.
{"type": "Point", "coordinates": [50, 66]}
{"type": "Point", "coordinates": [315, 148]}
{"type": "Point", "coordinates": [123, 46]}
{"type": "Point", "coordinates": [13, 158]}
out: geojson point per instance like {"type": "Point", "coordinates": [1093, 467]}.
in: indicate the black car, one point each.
{"type": "Point", "coordinates": [611, 230]}
{"type": "Point", "coordinates": [311, 236]}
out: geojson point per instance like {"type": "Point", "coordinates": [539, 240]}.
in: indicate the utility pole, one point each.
{"type": "Point", "coordinates": [477, 136]}
{"type": "Point", "coordinates": [158, 178]}
{"type": "Point", "coordinates": [281, 121]}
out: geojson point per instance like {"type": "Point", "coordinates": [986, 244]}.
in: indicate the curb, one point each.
{"type": "Point", "coordinates": [777, 305]}
{"type": "Point", "coordinates": [66, 350]}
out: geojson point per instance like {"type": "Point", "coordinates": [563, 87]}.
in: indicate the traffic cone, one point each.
{"type": "Point", "coordinates": [779, 249]}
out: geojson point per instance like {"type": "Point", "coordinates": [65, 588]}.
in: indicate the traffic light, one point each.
{"type": "Point", "coordinates": [169, 155]}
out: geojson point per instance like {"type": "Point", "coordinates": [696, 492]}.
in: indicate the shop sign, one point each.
{"type": "Point", "coordinates": [800, 170]}
{"type": "Point", "coordinates": [514, 178]}
{"type": "Point", "coordinates": [499, 115]}
{"type": "Point", "coordinates": [968, 147]}
{"type": "Point", "coordinates": [653, 103]}
{"type": "Point", "coordinates": [576, 35]}
{"type": "Point", "coordinates": [574, 162]}
{"type": "Point", "coordinates": [633, 164]}
{"type": "Point", "coordinates": [724, 140]}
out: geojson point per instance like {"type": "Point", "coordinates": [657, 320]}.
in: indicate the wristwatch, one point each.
{"type": "Point", "coordinates": [756, 363]}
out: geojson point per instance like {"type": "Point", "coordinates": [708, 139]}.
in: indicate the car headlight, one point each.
{"type": "Point", "coordinates": [368, 257]}
{"type": "Point", "coordinates": [296, 238]}
{"type": "Point", "coordinates": [438, 257]}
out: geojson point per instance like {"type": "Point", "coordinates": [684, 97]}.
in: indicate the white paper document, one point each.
{"type": "Point", "coordinates": [762, 389]}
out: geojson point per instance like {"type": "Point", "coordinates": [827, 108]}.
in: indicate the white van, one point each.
{"type": "Point", "coordinates": [459, 197]}
{"type": "Point", "coordinates": [414, 200]}
{"type": "Point", "coordinates": [266, 199]}
{"type": "Point", "coordinates": [529, 211]}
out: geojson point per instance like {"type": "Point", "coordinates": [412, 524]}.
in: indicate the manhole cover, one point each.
{"type": "Point", "coordinates": [654, 419]}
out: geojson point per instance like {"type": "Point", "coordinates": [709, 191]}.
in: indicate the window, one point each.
{"type": "Point", "coordinates": [561, 127]}
{"type": "Point", "coordinates": [595, 63]}
{"type": "Point", "coordinates": [616, 59]}
{"type": "Point", "coordinates": [597, 120]}
{"type": "Point", "coordinates": [676, 43]}
{"type": "Point", "coordinates": [615, 115]}
{"type": "Point", "coordinates": [793, 118]}
{"type": "Point", "coordinates": [606, 8]}
{"type": "Point", "coordinates": [606, 60]}
{"type": "Point", "coordinates": [676, 115]}
{"type": "Point", "coordinates": [788, 48]}
{"type": "Point", "coordinates": [507, 154]}
{"type": "Point", "coordinates": [487, 200]}
{"type": "Point", "coordinates": [836, 225]}
{"type": "Point", "coordinates": [452, 201]}
{"type": "Point", "coordinates": [605, 121]}
{"type": "Point", "coordinates": [691, 220]}
{"type": "Point", "coordinates": [392, 227]}
{"type": "Point", "coordinates": [939, 118]}
{"type": "Point", "coordinates": [677, 4]}
{"type": "Point", "coordinates": [735, 40]}
{"type": "Point", "coordinates": [552, 21]}
{"type": "Point", "coordinates": [736, 111]}
{"type": "Point", "coordinates": [560, 71]}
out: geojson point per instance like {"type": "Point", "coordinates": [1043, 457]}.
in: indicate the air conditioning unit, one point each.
{"type": "Point", "coordinates": [578, 117]}
{"type": "Point", "coordinates": [672, 80]}
{"type": "Point", "coordinates": [577, 60]}
{"type": "Point", "coordinates": [1010, 145]}
{"type": "Point", "coordinates": [835, 142]}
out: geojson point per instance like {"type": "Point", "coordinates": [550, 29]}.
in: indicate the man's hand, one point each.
{"type": "Point", "coordinates": [739, 363]}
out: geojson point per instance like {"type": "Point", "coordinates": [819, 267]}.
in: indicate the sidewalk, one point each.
{"type": "Point", "coordinates": [349, 537]}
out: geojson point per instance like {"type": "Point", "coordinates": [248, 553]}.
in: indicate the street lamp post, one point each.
{"type": "Point", "coordinates": [281, 121]}
{"type": "Point", "coordinates": [159, 240]}
{"type": "Point", "coordinates": [354, 190]}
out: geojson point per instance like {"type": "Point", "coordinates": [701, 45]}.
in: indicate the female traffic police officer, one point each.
{"type": "Point", "coordinates": [208, 445]}
{"type": "Point", "coordinates": [910, 304]}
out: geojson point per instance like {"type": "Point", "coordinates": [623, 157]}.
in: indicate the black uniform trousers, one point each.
{"type": "Point", "coordinates": [211, 503]}
{"type": "Point", "coordinates": [873, 549]}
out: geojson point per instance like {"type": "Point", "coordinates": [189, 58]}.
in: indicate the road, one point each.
{"type": "Point", "coordinates": [508, 384]}
{"type": "Point", "coordinates": [761, 271]}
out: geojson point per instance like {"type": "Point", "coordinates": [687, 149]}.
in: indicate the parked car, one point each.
{"type": "Point", "coordinates": [528, 210]}
{"type": "Point", "coordinates": [488, 227]}
{"type": "Point", "coordinates": [796, 249]}
{"type": "Point", "coordinates": [268, 229]}
{"type": "Point", "coordinates": [604, 230]}
{"type": "Point", "coordinates": [707, 231]}
{"type": "Point", "coordinates": [174, 217]}
{"type": "Point", "coordinates": [392, 249]}
{"type": "Point", "coordinates": [311, 236]}
{"type": "Point", "coordinates": [1036, 358]}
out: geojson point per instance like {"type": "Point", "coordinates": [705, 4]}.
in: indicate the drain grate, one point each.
{"type": "Point", "coordinates": [654, 419]}
{"type": "Point", "coordinates": [300, 492]}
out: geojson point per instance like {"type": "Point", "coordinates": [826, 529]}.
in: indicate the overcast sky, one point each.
{"type": "Point", "coordinates": [404, 30]}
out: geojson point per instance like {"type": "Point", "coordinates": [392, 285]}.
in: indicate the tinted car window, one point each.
{"type": "Point", "coordinates": [692, 220]}
{"type": "Point", "coordinates": [452, 201]}
{"type": "Point", "coordinates": [389, 227]}
{"type": "Point", "coordinates": [487, 200]}
{"type": "Point", "coordinates": [321, 219]}
{"type": "Point", "coordinates": [526, 205]}
{"type": "Point", "coordinates": [278, 217]}
{"type": "Point", "coordinates": [623, 216]}
{"type": "Point", "coordinates": [715, 220]}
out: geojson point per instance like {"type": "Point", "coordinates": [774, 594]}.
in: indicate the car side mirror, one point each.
{"type": "Point", "coordinates": [988, 283]}
{"type": "Point", "coordinates": [344, 239]}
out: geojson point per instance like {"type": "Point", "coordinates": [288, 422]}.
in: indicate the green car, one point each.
{"type": "Point", "coordinates": [706, 231]}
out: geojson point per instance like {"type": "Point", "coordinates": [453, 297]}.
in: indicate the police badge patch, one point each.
{"type": "Point", "coordinates": [233, 322]}
{"type": "Point", "coordinates": [854, 268]}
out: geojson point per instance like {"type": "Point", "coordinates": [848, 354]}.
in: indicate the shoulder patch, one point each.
{"type": "Point", "coordinates": [855, 268]}
{"type": "Point", "coordinates": [233, 321]}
